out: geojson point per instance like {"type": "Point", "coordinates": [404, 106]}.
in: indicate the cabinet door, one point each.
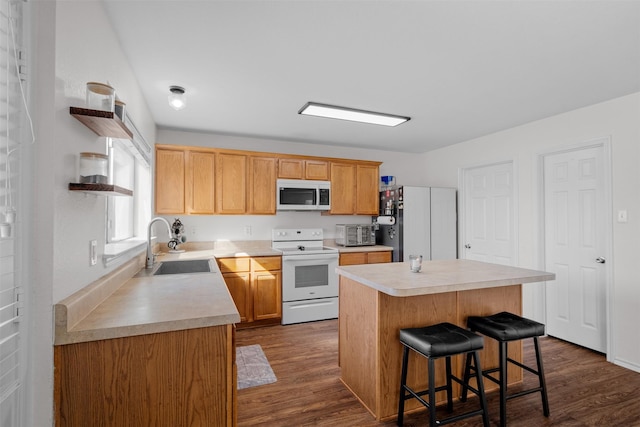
{"type": "Point", "coordinates": [262, 185]}
{"type": "Point", "coordinates": [231, 183]}
{"type": "Point", "coordinates": [343, 184]}
{"type": "Point", "coordinates": [239, 286]}
{"type": "Point", "coordinates": [353, 258]}
{"type": "Point", "coordinates": [316, 169]}
{"type": "Point", "coordinates": [200, 182]}
{"type": "Point", "coordinates": [290, 168]}
{"type": "Point", "coordinates": [170, 178]}
{"type": "Point", "coordinates": [267, 294]}
{"type": "Point", "coordinates": [378, 257]}
{"type": "Point", "coordinates": [367, 194]}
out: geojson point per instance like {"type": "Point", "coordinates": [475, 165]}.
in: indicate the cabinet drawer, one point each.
{"type": "Point", "coordinates": [233, 264]}
{"type": "Point", "coordinates": [266, 263]}
{"type": "Point", "coordinates": [378, 257]}
{"type": "Point", "coordinates": [353, 258]}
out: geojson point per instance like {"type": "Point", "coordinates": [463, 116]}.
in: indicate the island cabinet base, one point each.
{"type": "Point", "coordinates": [370, 353]}
{"type": "Point", "coordinates": [178, 378]}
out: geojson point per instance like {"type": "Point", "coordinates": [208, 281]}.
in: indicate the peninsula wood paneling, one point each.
{"type": "Point", "coordinates": [180, 378]}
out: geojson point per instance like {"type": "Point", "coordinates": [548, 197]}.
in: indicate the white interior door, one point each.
{"type": "Point", "coordinates": [489, 213]}
{"type": "Point", "coordinates": [575, 240]}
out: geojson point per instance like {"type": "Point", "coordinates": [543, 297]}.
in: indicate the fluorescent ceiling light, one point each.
{"type": "Point", "coordinates": [342, 113]}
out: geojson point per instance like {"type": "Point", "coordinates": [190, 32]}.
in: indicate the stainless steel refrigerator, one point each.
{"type": "Point", "coordinates": [418, 221]}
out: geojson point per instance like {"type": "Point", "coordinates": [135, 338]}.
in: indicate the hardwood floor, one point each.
{"type": "Point", "coordinates": [584, 389]}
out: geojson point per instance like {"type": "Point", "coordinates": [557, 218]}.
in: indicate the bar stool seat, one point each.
{"type": "Point", "coordinates": [505, 327]}
{"type": "Point", "coordinates": [433, 342]}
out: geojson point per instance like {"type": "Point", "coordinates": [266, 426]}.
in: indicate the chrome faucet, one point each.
{"type": "Point", "coordinates": [151, 258]}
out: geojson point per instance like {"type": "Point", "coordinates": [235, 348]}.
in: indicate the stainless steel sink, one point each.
{"type": "Point", "coordinates": [184, 267]}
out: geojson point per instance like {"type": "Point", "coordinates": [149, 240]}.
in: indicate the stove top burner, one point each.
{"type": "Point", "coordinates": [300, 241]}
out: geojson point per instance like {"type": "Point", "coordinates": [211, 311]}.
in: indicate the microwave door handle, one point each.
{"type": "Point", "coordinates": [317, 197]}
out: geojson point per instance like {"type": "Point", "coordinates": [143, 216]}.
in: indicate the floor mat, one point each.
{"type": "Point", "coordinates": [253, 367]}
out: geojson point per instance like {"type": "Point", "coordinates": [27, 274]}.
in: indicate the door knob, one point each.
{"type": "Point", "coordinates": [468, 246]}
{"type": "Point", "coordinates": [600, 260]}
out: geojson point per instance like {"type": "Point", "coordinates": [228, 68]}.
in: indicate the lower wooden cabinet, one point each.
{"type": "Point", "coordinates": [177, 378]}
{"type": "Point", "coordinates": [255, 284]}
{"type": "Point", "coordinates": [373, 257]}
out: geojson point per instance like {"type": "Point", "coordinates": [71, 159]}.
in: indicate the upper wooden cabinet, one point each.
{"type": "Point", "coordinates": [367, 190]}
{"type": "Point", "coordinates": [203, 180]}
{"type": "Point", "coordinates": [231, 183]}
{"type": "Point", "coordinates": [170, 181]}
{"type": "Point", "coordinates": [200, 189]}
{"type": "Point", "coordinates": [296, 168]}
{"type": "Point", "coordinates": [343, 188]}
{"type": "Point", "coordinates": [354, 189]}
{"type": "Point", "coordinates": [184, 181]}
{"type": "Point", "coordinates": [262, 185]}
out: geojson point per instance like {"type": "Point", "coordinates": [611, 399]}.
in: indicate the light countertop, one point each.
{"type": "Point", "coordinates": [131, 301]}
{"type": "Point", "coordinates": [147, 304]}
{"type": "Point", "coordinates": [396, 279]}
{"type": "Point", "coordinates": [331, 243]}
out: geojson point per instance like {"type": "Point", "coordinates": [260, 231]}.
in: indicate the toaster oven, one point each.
{"type": "Point", "coordinates": [355, 235]}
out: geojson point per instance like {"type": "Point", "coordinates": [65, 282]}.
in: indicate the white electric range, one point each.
{"type": "Point", "coordinates": [309, 280]}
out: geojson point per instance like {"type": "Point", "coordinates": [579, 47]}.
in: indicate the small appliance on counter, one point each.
{"type": "Point", "coordinates": [355, 235]}
{"type": "Point", "coordinates": [177, 236]}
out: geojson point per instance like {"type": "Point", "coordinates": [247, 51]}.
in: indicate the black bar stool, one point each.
{"type": "Point", "coordinates": [505, 327]}
{"type": "Point", "coordinates": [433, 342]}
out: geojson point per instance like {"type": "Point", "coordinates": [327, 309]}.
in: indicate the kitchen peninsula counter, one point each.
{"type": "Point", "coordinates": [378, 300]}
{"type": "Point", "coordinates": [150, 343]}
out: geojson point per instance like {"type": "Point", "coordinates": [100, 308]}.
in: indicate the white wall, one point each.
{"type": "Point", "coordinates": [86, 50]}
{"type": "Point", "coordinates": [406, 167]}
{"type": "Point", "coordinates": [71, 43]}
{"type": "Point", "coordinates": [619, 120]}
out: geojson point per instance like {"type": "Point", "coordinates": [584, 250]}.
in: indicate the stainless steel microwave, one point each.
{"type": "Point", "coordinates": [303, 195]}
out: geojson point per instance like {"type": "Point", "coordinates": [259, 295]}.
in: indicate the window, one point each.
{"type": "Point", "coordinates": [13, 279]}
{"type": "Point", "coordinates": [127, 216]}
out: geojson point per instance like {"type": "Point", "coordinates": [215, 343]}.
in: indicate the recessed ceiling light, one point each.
{"type": "Point", "coordinates": [351, 114]}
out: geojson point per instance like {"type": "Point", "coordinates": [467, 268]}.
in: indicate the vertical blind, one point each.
{"type": "Point", "coordinates": [11, 116]}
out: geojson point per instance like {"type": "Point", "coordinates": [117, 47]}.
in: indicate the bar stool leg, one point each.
{"type": "Point", "coordinates": [467, 376]}
{"type": "Point", "coordinates": [432, 393]}
{"type": "Point", "coordinates": [403, 382]}
{"type": "Point", "coordinates": [449, 389]}
{"type": "Point", "coordinates": [543, 385]}
{"type": "Point", "coordinates": [480, 387]}
{"type": "Point", "coordinates": [503, 383]}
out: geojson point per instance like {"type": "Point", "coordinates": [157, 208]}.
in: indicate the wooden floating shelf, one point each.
{"type": "Point", "coordinates": [100, 189]}
{"type": "Point", "coordinates": [103, 123]}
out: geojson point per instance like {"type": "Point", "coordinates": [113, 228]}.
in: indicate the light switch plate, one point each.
{"type": "Point", "coordinates": [93, 252]}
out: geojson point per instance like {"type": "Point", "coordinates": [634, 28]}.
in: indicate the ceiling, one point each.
{"type": "Point", "coordinates": [459, 69]}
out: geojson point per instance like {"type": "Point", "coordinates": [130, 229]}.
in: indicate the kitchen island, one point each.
{"type": "Point", "coordinates": [377, 300]}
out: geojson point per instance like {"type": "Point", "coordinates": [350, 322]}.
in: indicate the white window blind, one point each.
{"type": "Point", "coordinates": [12, 69]}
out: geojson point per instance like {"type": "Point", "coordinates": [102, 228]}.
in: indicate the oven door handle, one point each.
{"type": "Point", "coordinates": [309, 257]}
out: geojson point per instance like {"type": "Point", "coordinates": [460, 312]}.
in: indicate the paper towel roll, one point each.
{"type": "Point", "coordinates": [386, 220]}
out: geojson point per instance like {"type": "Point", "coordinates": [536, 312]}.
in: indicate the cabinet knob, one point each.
{"type": "Point", "coordinates": [467, 246]}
